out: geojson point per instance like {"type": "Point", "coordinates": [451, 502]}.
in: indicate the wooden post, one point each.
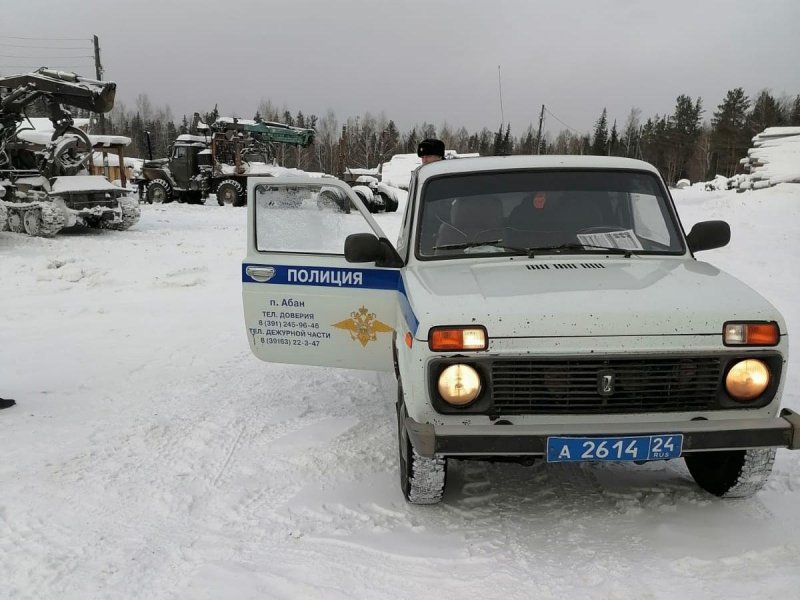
{"type": "Point", "coordinates": [123, 175]}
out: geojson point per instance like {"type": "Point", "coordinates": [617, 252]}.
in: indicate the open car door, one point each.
{"type": "Point", "coordinates": [303, 302]}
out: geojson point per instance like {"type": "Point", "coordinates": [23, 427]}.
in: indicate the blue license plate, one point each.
{"type": "Point", "coordinates": [616, 449]}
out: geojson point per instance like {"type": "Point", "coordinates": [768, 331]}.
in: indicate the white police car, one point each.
{"type": "Point", "coordinates": [533, 307]}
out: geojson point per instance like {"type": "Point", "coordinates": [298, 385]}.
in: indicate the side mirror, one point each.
{"type": "Point", "coordinates": [366, 247]}
{"type": "Point", "coordinates": [362, 247]}
{"type": "Point", "coordinates": [707, 235]}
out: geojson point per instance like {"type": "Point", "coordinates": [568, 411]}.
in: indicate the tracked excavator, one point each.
{"type": "Point", "coordinates": [44, 180]}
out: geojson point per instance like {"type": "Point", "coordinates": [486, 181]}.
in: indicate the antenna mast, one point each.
{"type": "Point", "coordinates": [500, 87]}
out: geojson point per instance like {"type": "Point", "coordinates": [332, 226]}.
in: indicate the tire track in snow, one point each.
{"type": "Point", "coordinates": [228, 458]}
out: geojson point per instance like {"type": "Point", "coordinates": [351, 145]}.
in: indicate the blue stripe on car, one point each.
{"type": "Point", "coordinates": [337, 277]}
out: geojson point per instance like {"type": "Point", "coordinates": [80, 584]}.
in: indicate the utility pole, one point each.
{"type": "Point", "coordinates": [539, 134]}
{"type": "Point", "coordinates": [98, 71]}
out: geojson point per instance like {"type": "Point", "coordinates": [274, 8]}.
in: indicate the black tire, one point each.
{"type": "Point", "coordinates": [389, 203]}
{"type": "Point", "coordinates": [328, 199]}
{"type": "Point", "coordinates": [731, 473]}
{"type": "Point", "coordinates": [231, 192]}
{"type": "Point", "coordinates": [159, 191]}
{"type": "Point", "coordinates": [422, 479]}
{"type": "Point", "coordinates": [369, 203]}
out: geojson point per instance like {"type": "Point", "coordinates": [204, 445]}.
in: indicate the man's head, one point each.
{"type": "Point", "coordinates": [430, 150]}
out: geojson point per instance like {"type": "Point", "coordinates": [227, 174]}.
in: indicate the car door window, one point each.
{"type": "Point", "coordinates": [308, 219]}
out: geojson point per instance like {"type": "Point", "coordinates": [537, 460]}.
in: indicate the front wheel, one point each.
{"type": "Point", "coordinates": [159, 191]}
{"type": "Point", "coordinates": [422, 479]}
{"type": "Point", "coordinates": [15, 223]}
{"type": "Point", "coordinates": [731, 473]}
{"type": "Point", "coordinates": [32, 222]}
{"type": "Point", "coordinates": [230, 192]}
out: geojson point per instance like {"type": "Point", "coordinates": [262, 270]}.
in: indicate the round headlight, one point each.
{"type": "Point", "coordinates": [459, 385]}
{"type": "Point", "coordinates": [747, 380]}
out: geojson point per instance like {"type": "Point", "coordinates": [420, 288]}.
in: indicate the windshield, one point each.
{"type": "Point", "coordinates": [540, 212]}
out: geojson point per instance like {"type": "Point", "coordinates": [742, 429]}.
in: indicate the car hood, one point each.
{"type": "Point", "coordinates": [586, 297]}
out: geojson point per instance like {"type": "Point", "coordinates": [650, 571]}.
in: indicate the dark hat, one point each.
{"type": "Point", "coordinates": [431, 147]}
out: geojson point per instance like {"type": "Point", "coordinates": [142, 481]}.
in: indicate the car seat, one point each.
{"type": "Point", "coordinates": [472, 219]}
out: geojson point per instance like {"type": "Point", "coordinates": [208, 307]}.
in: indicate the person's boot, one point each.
{"type": "Point", "coordinates": [6, 403]}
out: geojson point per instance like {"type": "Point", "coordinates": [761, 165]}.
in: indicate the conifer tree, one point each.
{"type": "Point", "coordinates": [794, 116]}
{"type": "Point", "coordinates": [729, 139]}
{"type": "Point", "coordinates": [766, 112]}
{"type": "Point", "coordinates": [682, 136]}
{"type": "Point", "coordinates": [600, 140]}
{"type": "Point", "coordinates": [613, 142]}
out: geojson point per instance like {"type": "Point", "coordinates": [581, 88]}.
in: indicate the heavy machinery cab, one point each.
{"type": "Point", "coordinates": [184, 162]}
{"type": "Point", "coordinates": [186, 172]}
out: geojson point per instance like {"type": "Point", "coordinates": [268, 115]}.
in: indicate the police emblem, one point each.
{"type": "Point", "coordinates": [363, 326]}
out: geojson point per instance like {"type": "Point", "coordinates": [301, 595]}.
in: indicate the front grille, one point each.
{"type": "Point", "coordinates": [573, 386]}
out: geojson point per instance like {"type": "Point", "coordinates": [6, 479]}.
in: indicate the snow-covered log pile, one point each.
{"type": "Point", "coordinates": [773, 159]}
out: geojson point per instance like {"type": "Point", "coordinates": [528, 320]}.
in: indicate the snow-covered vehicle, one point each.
{"type": "Point", "coordinates": [376, 196]}
{"type": "Point", "coordinates": [533, 308]}
{"type": "Point", "coordinates": [218, 162]}
{"type": "Point", "coordinates": [45, 174]}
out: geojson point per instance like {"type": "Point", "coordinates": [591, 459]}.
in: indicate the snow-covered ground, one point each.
{"type": "Point", "coordinates": [151, 456]}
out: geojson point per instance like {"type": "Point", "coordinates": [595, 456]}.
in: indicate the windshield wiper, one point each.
{"type": "Point", "coordinates": [493, 243]}
{"type": "Point", "coordinates": [573, 246]}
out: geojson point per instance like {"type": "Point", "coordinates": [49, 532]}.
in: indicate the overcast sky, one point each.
{"type": "Point", "coordinates": [434, 61]}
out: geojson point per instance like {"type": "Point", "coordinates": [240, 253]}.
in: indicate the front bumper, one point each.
{"type": "Point", "coordinates": [531, 440]}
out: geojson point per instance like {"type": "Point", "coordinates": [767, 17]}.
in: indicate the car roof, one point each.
{"type": "Point", "coordinates": [518, 162]}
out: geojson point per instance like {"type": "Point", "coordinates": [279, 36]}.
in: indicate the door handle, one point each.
{"type": "Point", "coordinates": [260, 274]}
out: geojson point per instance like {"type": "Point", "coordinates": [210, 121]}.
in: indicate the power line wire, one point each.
{"type": "Point", "coordinates": [547, 110]}
{"type": "Point", "coordinates": [49, 56]}
{"type": "Point", "coordinates": [55, 62]}
{"type": "Point", "coordinates": [43, 47]}
{"type": "Point", "coordinates": [13, 37]}
{"type": "Point", "coordinates": [32, 67]}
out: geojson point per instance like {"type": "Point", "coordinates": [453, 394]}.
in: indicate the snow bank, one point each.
{"type": "Point", "coordinates": [397, 171]}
